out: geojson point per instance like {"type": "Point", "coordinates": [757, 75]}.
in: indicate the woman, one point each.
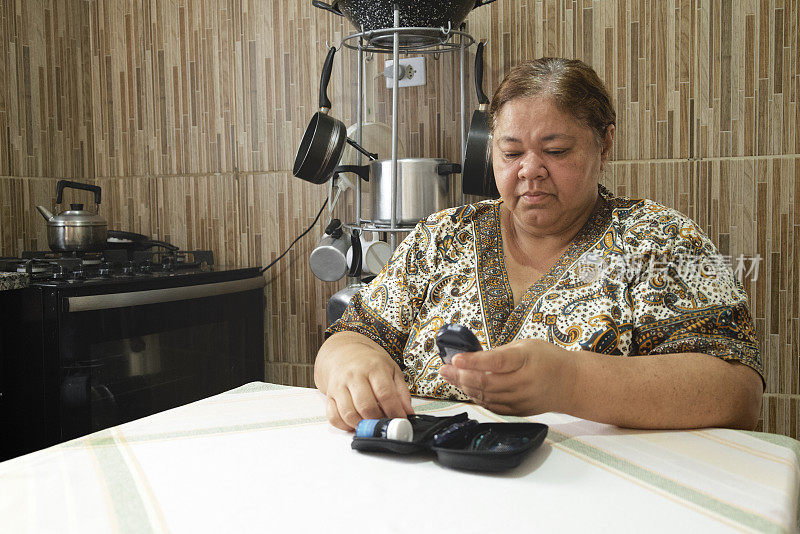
{"type": "Point", "coordinates": [560, 280]}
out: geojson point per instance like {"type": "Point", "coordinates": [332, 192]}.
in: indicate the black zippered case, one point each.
{"type": "Point", "coordinates": [462, 443]}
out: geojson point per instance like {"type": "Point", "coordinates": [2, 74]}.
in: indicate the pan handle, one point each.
{"type": "Point", "coordinates": [324, 102]}
{"type": "Point", "coordinates": [361, 170]}
{"type": "Point", "coordinates": [334, 229]}
{"type": "Point", "coordinates": [328, 7]}
{"type": "Point", "coordinates": [163, 244]}
{"type": "Point", "coordinates": [479, 3]}
{"type": "Point", "coordinates": [444, 169]}
{"type": "Point", "coordinates": [479, 75]}
{"type": "Point", "coordinates": [371, 155]}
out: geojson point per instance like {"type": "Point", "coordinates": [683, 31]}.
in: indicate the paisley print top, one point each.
{"type": "Point", "coordinates": [639, 278]}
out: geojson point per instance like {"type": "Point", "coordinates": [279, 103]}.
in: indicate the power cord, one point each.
{"type": "Point", "coordinates": [298, 237]}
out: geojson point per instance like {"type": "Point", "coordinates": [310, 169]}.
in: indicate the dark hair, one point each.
{"type": "Point", "coordinates": [573, 86]}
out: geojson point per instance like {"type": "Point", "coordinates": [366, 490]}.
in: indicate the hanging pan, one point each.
{"type": "Point", "coordinates": [478, 176]}
{"type": "Point", "coordinates": [323, 142]}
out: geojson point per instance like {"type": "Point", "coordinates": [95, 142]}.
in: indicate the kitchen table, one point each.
{"type": "Point", "coordinates": [262, 458]}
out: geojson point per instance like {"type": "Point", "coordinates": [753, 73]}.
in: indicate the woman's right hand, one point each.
{"type": "Point", "coordinates": [360, 380]}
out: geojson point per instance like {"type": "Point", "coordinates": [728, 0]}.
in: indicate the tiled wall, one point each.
{"type": "Point", "coordinates": [189, 113]}
{"type": "Point", "coordinates": [45, 113]}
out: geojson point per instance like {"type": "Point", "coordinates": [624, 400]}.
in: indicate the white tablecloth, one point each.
{"type": "Point", "coordinates": [262, 458]}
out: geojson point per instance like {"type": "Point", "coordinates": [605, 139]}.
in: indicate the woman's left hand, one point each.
{"type": "Point", "coordinates": [524, 377]}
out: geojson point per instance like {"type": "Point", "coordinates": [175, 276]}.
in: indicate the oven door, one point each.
{"type": "Point", "coordinates": [123, 356]}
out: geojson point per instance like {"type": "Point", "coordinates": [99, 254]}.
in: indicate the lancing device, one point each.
{"type": "Point", "coordinates": [454, 338]}
{"type": "Point", "coordinates": [397, 429]}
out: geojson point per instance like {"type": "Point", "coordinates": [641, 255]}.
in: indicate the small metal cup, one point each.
{"type": "Point", "coordinates": [328, 261]}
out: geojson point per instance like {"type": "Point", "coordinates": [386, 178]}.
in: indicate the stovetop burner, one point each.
{"type": "Point", "coordinates": [49, 267]}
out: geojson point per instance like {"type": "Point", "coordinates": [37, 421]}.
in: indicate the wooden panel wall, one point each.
{"type": "Point", "coordinates": [189, 113]}
{"type": "Point", "coordinates": [45, 113]}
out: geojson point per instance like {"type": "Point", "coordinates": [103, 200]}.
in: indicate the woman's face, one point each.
{"type": "Point", "coordinates": [546, 165]}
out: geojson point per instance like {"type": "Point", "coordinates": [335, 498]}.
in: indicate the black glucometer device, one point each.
{"type": "Point", "coordinates": [454, 338]}
{"type": "Point", "coordinates": [459, 442]}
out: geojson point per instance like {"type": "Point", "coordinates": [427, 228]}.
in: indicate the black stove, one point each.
{"type": "Point", "coordinates": [93, 268]}
{"type": "Point", "coordinates": [99, 339]}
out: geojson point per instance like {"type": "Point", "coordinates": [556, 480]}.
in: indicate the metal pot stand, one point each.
{"type": "Point", "coordinates": [448, 40]}
{"type": "Point", "coordinates": [397, 39]}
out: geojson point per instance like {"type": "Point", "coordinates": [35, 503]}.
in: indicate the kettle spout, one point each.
{"type": "Point", "coordinates": [45, 213]}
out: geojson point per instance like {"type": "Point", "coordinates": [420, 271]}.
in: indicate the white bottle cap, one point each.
{"type": "Point", "coordinates": [400, 429]}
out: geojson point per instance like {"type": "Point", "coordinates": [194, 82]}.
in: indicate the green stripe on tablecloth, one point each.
{"type": "Point", "coordinates": [433, 406]}
{"type": "Point", "coordinates": [669, 486]}
{"type": "Point", "coordinates": [104, 438]}
{"type": "Point", "coordinates": [776, 439]}
{"type": "Point", "coordinates": [255, 387]}
{"type": "Point", "coordinates": [127, 503]}
{"type": "Point", "coordinates": [782, 441]}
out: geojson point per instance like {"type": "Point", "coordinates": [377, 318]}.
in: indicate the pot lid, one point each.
{"type": "Point", "coordinates": [77, 216]}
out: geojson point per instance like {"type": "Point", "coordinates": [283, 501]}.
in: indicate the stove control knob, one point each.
{"type": "Point", "coordinates": [104, 270]}
{"type": "Point", "coordinates": [168, 263]}
{"type": "Point", "coordinates": [129, 268]}
{"type": "Point", "coordinates": [78, 274]}
{"type": "Point", "coordinates": [146, 268]}
{"type": "Point", "coordinates": [59, 272]}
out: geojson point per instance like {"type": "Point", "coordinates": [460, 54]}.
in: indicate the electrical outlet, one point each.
{"type": "Point", "coordinates": [412, 72]}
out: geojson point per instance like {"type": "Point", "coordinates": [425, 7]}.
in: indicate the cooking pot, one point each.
{"type": "Point", "coordinates": [76, 229]}
{"type": "Point", "coordinates": [423, 187]}
{"type": "Point", "coordinates": [368, 15]}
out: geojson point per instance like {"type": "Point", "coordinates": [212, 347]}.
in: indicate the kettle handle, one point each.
{"type": "Point", "coordinates": [64, 184]}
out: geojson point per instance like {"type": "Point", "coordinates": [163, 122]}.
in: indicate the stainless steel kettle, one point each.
{"type": "Point", "coordinates": [75, 229]}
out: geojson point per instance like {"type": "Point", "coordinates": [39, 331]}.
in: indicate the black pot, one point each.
{"type": "Point", "coordinates": [368, 15]}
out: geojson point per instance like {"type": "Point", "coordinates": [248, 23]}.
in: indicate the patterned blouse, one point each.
{"type": "Point", "coordinates": [639, 278]}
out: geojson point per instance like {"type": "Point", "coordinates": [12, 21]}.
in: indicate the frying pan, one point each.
{"type": "Point", "coordinates": [478, 176]}
{"type": "Point", "coordinates": [324, 138]}
{"type": "Point", "coordinates": [132, 241]}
